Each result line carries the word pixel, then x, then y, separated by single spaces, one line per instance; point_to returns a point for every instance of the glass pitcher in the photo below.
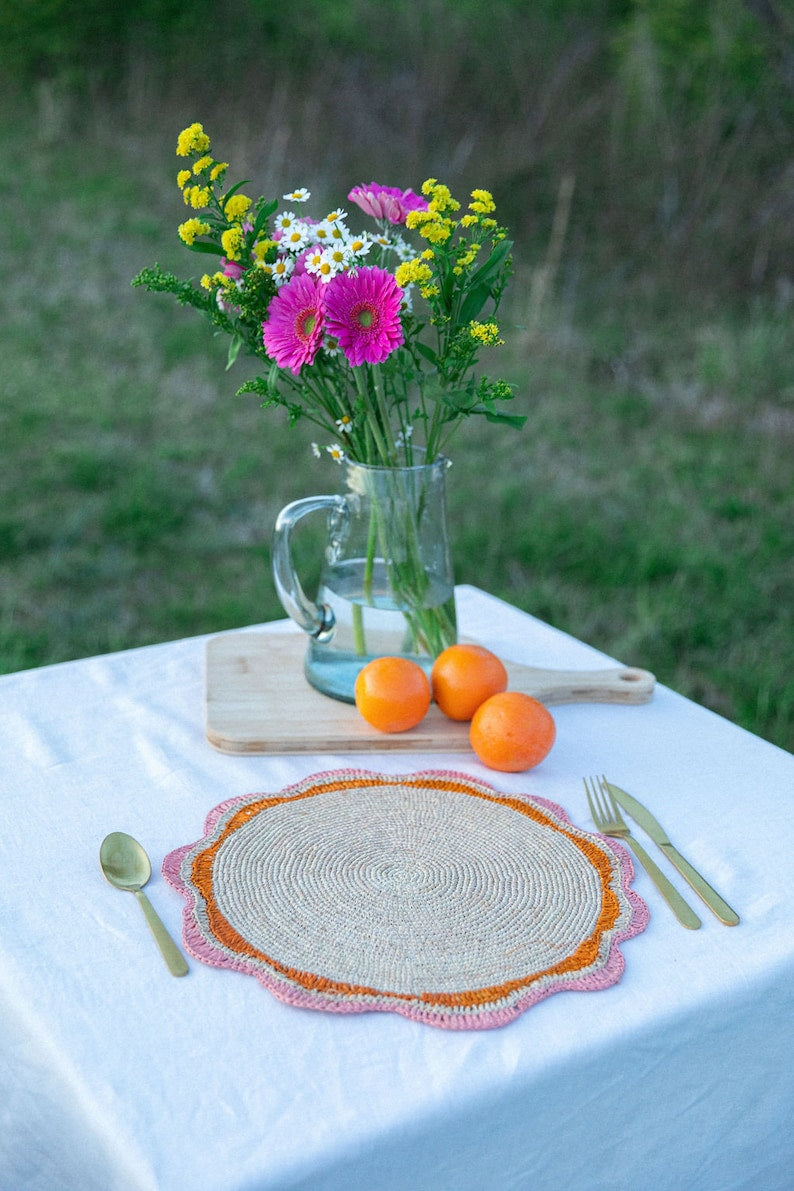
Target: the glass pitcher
pixel 386 585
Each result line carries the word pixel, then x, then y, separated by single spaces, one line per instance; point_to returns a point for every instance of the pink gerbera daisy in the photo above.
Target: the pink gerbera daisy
pixel 386 202
pixel 293 331
pixel 362 311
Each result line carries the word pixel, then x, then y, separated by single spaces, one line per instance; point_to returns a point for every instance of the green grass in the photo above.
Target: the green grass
pixel 647 507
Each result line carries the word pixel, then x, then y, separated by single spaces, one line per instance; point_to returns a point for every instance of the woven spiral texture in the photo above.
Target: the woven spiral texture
pixel 428 894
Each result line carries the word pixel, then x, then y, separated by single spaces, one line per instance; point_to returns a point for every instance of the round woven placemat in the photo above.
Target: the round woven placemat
pixel 428 894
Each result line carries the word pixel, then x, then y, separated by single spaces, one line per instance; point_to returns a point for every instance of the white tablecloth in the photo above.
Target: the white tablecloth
pixel 115 1076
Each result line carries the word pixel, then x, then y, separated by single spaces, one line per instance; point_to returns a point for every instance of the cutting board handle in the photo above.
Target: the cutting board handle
pixel 619 684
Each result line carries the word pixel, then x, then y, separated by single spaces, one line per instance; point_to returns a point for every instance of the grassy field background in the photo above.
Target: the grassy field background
pixel 648 505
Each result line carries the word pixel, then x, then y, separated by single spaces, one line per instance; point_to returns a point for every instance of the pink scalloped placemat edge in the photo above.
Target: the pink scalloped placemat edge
pixel 211 952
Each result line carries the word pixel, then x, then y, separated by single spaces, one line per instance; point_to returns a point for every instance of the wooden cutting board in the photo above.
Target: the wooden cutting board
pixel 258 701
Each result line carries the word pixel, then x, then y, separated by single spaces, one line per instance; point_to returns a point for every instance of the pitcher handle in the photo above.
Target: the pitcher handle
pixel 315 619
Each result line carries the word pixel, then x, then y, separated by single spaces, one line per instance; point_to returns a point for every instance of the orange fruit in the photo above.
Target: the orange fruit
pixel 463 677
pixel 512 731
pixel 392 694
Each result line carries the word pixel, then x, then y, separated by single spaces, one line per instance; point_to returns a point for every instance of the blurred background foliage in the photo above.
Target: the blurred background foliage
pixel 642 153
pixel 674 116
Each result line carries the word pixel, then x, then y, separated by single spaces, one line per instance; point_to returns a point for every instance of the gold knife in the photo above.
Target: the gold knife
pixel 660 837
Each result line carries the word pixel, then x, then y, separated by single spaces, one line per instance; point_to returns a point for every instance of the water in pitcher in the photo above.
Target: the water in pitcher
pixel 370 624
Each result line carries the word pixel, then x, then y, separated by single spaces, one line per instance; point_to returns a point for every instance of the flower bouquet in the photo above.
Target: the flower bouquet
pixel 371 339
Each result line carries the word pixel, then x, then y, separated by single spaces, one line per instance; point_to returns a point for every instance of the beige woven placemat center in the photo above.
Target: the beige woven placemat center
pixel 431 894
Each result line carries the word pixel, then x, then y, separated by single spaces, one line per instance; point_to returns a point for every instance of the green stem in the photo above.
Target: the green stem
pixel 369 562
pixel 359 637
pixel 359 374
pixel 383 413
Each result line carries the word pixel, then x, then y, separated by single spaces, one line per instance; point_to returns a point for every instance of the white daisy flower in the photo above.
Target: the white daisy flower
pixel 314 264
pixel 338 255
pixel 337 216
pixel 295 238
pixel 359 245
pixel 329 230
pixel 284 221
pixel 280 270
pixel 323 266
pixel 403 250
pixel 316 451
pixel 344 424
pixel 312 257
pixel 297 196
pixel 336 452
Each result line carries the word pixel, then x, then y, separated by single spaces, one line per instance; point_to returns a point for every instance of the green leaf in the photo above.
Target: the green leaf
pixel 473 303
pixel 428 353
pixel 516 420
pixel 266 211
pixel 481 282
pixel 223 200
pixel 203 246
pixel 487 272
pixel 234 350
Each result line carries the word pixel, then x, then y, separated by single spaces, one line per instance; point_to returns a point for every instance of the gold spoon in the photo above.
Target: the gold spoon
pixel 126 865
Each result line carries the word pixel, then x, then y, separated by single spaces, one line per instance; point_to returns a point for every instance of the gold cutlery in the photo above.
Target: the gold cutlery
pixel 125 864
pixel 654 829
pixel 609 821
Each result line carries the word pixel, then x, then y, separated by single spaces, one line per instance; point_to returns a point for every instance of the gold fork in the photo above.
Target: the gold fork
pixel 609 821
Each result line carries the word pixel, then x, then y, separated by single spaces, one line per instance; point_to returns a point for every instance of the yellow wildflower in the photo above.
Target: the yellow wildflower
pixel 437 232
pixel 262 248
pixel 466 258
pixel 202 163
pixel 236 207
pixel 428 185
pixel 482 202
pixel 441 200
pixel 232 241
pixel 415 219
pixel 411 271
pixel 485 333
pixel 428 254
pixel 196 196
pixel 192 140
pixel 468 220
pixel 206 281
pixel 219 168
pixel 192 228
pixel 429 291
pixel 182 177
